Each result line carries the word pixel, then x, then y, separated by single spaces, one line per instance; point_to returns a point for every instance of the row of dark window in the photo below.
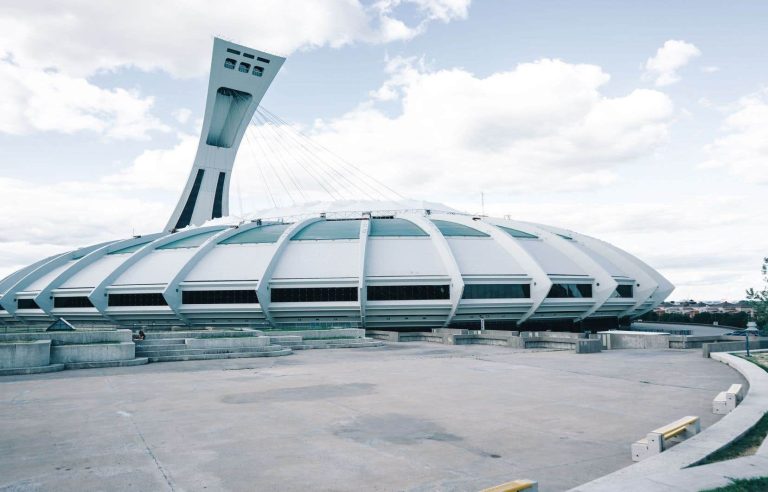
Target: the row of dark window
pixel 408 292
pixel 315 294
pixel 496 291
pixel 26 304
pixel 247 55
pixel 230 63
pixel 334 294
pixel 219 297
pixel 122 300
pixel 72 302
pixel 570 290
pixel 624 291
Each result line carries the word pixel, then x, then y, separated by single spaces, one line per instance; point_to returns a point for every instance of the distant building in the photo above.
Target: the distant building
pixel 692 308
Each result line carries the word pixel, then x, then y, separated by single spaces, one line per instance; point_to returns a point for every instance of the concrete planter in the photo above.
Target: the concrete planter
pixel 16 355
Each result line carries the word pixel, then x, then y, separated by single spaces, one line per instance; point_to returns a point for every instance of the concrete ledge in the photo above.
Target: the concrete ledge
pixel 318 334
pixel 647 474
pixel 708 348
pixel 31 370
pixel 233 342
pixel 162 335
pixel 480 339
pixel 92 352
pixel 331 344
pixel 72 337
pixel 107 363
pixel 19 355
pixel 634 340
pixel 237 355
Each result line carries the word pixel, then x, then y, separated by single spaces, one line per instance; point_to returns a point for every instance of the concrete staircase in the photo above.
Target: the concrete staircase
pixel 204 345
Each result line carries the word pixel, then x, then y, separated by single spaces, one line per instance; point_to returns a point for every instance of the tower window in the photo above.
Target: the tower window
pixel 234 52
pixel 262 60
pixel 248 55
pixel 258 71
pixel 230 63
pixel 245 67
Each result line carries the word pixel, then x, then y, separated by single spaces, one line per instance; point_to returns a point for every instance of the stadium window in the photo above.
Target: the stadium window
pixel 496 291
pixel 144 299
pixel 219 297
pixel 561 291
pixel 230 63
pixel 408 292
pixel 315 294
pixel 27 304
pixel 624 291
pixel 72 302
pixel 258 71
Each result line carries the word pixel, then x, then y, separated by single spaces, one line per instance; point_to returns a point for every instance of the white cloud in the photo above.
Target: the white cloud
pixel 743 150
pixel 182 115
pixel 543 125
pixel 158 169
pixel 710 69
pixel 35 100
pixel 170 35
pixel 671 57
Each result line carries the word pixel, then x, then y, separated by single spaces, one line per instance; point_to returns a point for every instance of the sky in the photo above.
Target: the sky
pixel 644 124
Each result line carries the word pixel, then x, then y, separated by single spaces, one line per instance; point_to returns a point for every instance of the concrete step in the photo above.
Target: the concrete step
pixel 207 351
pixel 159 341
pixel 164 346
pixel 168 335
pixel 238 355
pixel 106 363
pixel 327 344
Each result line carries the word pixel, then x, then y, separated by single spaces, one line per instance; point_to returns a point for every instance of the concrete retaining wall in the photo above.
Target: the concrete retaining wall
pixel 389 336
pixel 72 337
pixel 236 342
pixel 589 346
pixel 634 340
pixel 479 339
pixel 93 352
pixel 25 354
pixel 320 334
pixel 708 348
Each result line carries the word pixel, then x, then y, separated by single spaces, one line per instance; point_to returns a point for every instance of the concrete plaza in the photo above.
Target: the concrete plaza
pixel 412 416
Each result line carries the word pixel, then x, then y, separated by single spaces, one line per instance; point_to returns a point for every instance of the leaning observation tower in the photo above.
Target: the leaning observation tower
pixel 384 262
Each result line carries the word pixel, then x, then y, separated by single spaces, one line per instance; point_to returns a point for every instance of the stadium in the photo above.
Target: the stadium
pixel 377 264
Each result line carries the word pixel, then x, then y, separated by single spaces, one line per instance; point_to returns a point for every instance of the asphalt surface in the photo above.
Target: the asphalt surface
pixel 409 416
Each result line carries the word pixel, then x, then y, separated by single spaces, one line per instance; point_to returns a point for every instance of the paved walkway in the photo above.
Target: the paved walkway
pixel 408 416
pixel 668 471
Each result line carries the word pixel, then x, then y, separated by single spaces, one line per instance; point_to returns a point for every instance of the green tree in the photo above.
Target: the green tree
pixel 759 298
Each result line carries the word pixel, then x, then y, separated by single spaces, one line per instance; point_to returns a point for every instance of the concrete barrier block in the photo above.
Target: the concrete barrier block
pixel 92 352
pixel 17 355
pixel 588 346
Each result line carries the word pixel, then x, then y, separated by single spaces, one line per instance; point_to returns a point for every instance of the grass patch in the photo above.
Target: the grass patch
pixel 744 446
pixel 743 485
pixel 760 359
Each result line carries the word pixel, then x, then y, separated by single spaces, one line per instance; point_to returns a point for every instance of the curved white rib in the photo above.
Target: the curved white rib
pixel 263 289
pixel 446 255
pixel 44 298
